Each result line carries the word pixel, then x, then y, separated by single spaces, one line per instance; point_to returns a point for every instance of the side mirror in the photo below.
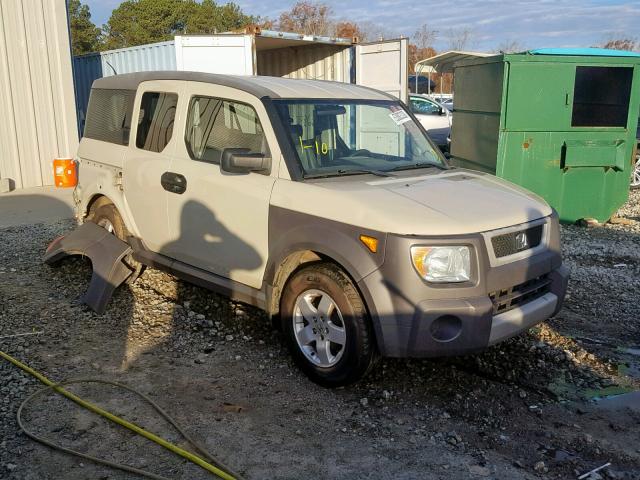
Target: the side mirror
pixel 240 160
pixel 440 111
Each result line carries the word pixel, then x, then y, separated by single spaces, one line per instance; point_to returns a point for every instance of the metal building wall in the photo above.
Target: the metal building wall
pixel 37 107
pixel 142 58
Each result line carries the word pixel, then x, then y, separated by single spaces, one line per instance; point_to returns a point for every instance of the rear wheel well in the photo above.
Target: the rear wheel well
pixel 96 202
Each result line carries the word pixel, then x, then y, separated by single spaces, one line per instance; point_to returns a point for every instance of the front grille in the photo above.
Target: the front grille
pixel 514 242
pixel 516 296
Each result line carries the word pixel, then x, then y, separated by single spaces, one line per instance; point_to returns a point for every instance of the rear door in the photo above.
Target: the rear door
pixel 384 66
pixel 151 149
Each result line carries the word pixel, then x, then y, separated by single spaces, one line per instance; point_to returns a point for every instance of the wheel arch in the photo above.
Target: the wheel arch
pixel 98 199
pixel 280 270
pixel 95 201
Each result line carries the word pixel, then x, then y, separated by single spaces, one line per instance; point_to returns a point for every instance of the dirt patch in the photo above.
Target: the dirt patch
pixel 523 409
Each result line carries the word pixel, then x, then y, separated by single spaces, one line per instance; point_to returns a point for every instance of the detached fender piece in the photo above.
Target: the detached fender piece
pixel 106 253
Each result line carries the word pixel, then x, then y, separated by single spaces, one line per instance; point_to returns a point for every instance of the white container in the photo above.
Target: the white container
pixel 380 65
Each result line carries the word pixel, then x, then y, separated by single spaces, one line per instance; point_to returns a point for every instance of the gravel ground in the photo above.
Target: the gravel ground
pixel 541 405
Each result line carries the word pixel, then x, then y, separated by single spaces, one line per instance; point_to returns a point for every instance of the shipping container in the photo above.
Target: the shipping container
pixel 36 91
pixel 142 58
pixel 381 65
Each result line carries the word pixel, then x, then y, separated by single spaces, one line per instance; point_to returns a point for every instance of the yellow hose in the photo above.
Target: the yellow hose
pixel 131 426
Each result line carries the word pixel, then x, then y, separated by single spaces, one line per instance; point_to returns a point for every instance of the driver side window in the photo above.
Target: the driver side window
pixel 214 124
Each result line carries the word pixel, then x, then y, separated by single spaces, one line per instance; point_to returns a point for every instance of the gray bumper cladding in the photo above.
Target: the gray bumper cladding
pixel 106 253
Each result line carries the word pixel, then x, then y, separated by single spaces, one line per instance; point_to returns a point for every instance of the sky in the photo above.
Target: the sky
pixel 492 23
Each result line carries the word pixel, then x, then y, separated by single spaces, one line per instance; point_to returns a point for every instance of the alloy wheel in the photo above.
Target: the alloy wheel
pixel 319 328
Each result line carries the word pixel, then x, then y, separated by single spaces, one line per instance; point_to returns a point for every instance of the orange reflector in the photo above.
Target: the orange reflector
pixel 65 173
pixel 370 242
pixel 418 254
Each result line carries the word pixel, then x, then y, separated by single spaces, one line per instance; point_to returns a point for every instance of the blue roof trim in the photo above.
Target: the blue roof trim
pixel 593 52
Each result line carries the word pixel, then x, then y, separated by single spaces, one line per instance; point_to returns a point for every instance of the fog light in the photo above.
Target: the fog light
pixel 446 328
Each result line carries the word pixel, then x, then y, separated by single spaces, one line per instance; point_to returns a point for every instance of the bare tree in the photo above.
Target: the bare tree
pixel 510 46
pixel 306 17
pixel 424 37
pixel 622 42
pixel 460 38
pixel 372 31
pixel 316 18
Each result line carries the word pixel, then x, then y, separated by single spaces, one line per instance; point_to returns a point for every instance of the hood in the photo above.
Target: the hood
pixel 482 202
pixel 452 202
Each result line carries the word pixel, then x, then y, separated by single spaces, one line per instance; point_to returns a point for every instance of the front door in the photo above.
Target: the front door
pixel 151 147
pixel 220 222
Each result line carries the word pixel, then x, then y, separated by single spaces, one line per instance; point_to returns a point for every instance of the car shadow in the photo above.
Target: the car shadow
pixel 218 253
pixel 23 207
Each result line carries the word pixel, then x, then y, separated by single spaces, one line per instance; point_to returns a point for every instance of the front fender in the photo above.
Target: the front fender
pixel 291 231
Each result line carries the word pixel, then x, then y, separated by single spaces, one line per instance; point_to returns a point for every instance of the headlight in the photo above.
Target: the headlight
pixel 442 264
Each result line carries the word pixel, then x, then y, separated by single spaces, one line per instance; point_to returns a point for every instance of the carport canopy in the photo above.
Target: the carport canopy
pixel 444 62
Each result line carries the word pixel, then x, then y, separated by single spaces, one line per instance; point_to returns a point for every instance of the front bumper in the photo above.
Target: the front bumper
pixel 413 319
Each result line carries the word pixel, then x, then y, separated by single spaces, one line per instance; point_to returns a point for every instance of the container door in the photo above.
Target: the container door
pixel 383 66
pixel 539 96
pixel 225 54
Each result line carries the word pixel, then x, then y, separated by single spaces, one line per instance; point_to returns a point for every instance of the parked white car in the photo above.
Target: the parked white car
pixel 434 117
pixel 446 100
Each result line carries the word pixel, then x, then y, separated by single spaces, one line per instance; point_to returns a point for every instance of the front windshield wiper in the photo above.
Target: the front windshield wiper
pixel 419 165
pixel 344 172
pixel 360 171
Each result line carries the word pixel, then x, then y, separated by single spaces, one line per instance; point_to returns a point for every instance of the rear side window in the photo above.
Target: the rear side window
pixel 214 124
pixel 109 115
pixel 601 96
pixel 155 120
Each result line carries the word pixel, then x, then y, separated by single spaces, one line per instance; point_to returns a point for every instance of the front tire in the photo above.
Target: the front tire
pixel 327 326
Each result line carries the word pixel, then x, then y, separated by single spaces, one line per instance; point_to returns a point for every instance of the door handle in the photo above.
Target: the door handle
pixel 173 182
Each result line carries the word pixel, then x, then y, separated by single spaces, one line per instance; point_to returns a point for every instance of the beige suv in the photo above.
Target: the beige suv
pixel 325 204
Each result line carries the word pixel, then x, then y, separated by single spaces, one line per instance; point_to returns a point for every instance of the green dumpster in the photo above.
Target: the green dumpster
pixel 560 122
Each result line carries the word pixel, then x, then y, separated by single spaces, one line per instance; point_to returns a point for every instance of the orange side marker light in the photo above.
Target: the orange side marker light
pixel 370 242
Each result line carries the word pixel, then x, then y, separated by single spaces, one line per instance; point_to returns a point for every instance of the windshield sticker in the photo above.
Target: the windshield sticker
pixel 399 116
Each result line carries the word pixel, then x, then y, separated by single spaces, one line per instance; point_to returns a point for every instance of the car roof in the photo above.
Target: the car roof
pixel 260 86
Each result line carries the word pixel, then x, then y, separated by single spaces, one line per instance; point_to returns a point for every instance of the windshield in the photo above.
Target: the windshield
pixel 346 137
